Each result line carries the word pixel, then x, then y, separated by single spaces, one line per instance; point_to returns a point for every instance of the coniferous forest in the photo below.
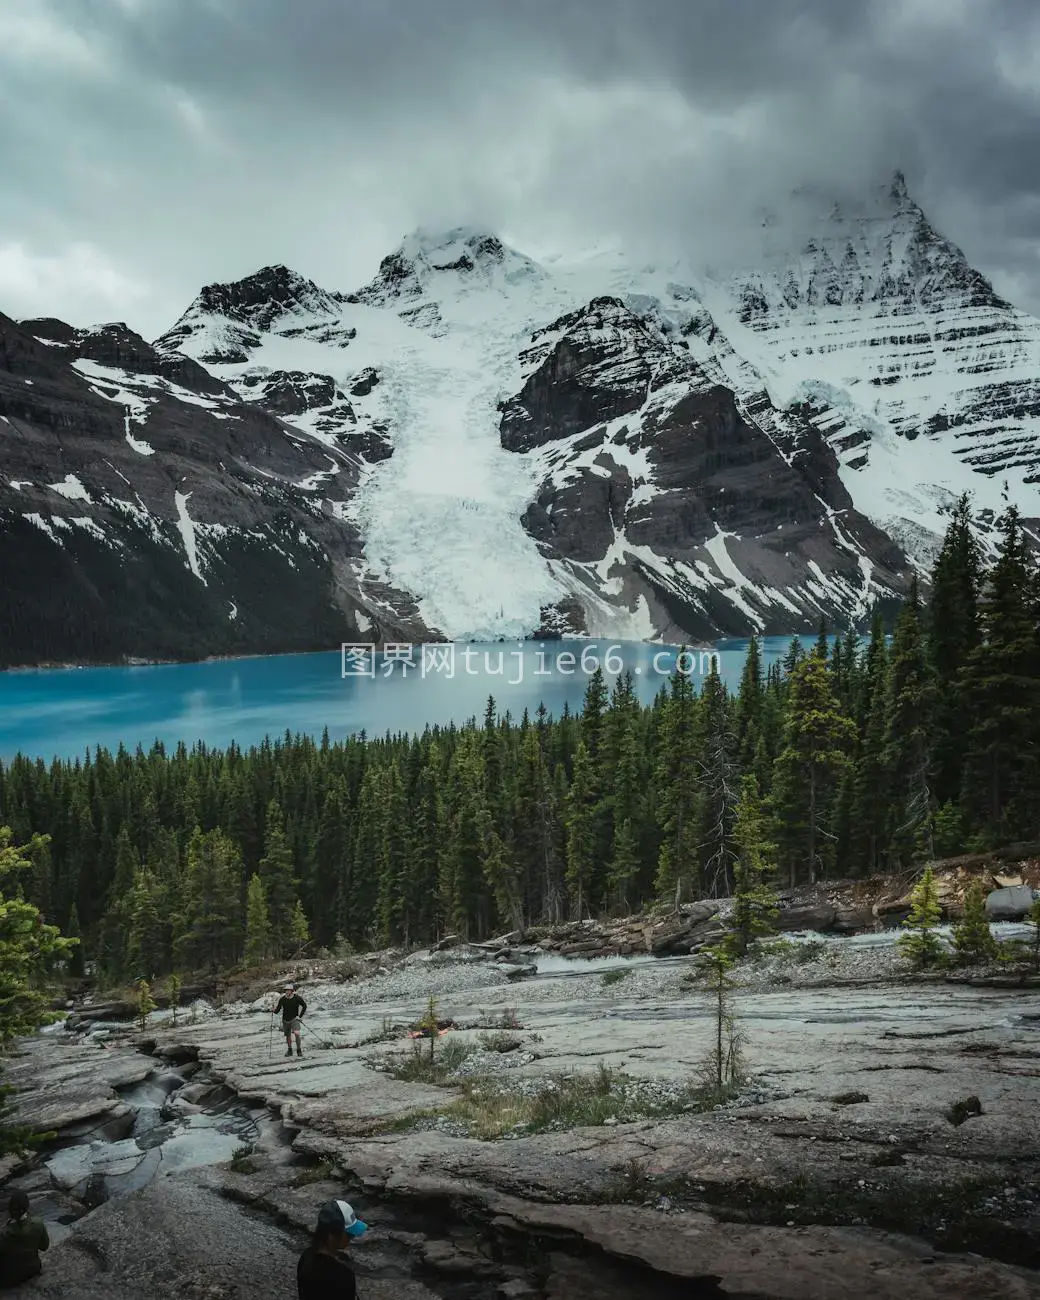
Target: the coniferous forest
pixel 850 757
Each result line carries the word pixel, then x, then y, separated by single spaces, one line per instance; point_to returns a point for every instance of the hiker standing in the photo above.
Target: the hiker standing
pixel 21 1241
pixel 324 1271
pixel 292 1007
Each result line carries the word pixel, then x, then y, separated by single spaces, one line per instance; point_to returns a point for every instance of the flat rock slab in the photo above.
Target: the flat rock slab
pixel 70 1086
pixel 177 1238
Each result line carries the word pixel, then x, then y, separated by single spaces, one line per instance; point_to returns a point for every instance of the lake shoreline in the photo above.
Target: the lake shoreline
pixel 132 661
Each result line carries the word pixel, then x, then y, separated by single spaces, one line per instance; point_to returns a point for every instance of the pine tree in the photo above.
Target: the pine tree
pixel 332 858
pixel 390 864
pixel 258 925
pixel 817 738
pixel 1002 772
pixel 145 1004
pixel 147 932
pixel 870 793
pixel 755 904
pixel 921 944
pixel 908 740
pixel 211 930
pixel 29 949
pixel 723 1070
pixel 954 635
pixel 718 784
pixel 749 706
pixel 973 940
pixel 676 793
pixel 72 930
pixel 299 931
pixel 281 885
pixel 581 833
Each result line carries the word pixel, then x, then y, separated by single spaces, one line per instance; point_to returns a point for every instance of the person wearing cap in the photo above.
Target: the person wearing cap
pixel 292 1007
pixel 324 1271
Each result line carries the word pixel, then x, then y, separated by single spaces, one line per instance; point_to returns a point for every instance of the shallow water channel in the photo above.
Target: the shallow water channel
pixel 176 1123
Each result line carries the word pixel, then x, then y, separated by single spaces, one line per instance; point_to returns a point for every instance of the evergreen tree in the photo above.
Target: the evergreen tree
pixel 954 635
pixel 718 784
pixel 869 811
pixel 279 878
pixel 145 1004
pixel 921 944
pixel 299 931
pixel 258 925
pixel 75 937
pixel 817 738
pixel 973 940
pixel 1002 772
pixel 676 792
pixel 29 950
pixel 908 740
pixel 749 706
pixel 755 904
pixel 581 833
pixel 147 941
pixel 211 932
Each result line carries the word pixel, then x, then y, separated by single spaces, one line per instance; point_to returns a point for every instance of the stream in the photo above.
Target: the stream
pixel 176 1123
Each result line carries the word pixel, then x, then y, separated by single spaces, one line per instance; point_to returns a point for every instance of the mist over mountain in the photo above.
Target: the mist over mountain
pixel 479 443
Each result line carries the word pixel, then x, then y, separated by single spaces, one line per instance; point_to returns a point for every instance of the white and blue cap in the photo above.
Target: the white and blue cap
pixel 340 1215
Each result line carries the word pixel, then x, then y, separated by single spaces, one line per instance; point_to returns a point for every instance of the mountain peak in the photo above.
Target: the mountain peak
pixel 472 256
pixel 261 298
pixel 224 322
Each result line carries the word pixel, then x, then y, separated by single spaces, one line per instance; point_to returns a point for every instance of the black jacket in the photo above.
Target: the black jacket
pixel 291 1006
pixel 20 1246
pixel 325 1277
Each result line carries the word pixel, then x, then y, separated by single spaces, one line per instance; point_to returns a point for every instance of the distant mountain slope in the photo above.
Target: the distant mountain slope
pixel 475 444
pixel 146 511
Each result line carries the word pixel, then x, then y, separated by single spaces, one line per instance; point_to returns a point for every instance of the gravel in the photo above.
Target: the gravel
pixel 801 965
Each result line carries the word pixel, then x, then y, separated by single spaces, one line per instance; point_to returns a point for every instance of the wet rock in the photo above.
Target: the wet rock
pixel 819 917
pixel 849 1098
pixel 1009 904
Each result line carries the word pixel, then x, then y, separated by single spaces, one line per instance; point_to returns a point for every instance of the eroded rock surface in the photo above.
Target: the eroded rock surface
pixel 794 1190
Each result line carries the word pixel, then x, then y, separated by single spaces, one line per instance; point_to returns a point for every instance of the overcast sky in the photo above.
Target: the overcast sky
pixel 148 147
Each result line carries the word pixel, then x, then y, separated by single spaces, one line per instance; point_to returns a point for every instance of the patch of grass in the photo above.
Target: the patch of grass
pixel 420 1067
pixel 499 1041
pixel 507 1018
pixel 610 977
pixel 489 1110
pixel 322 1172
pixel 242 1161
pixel 388 1032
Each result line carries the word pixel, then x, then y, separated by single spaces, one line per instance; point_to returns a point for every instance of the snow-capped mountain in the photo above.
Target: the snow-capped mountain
pixel 476 444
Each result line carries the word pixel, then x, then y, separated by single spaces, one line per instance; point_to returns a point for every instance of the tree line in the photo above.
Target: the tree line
pixel 853 755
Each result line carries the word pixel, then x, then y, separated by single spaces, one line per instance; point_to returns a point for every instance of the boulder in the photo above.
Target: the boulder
pixel 449 941
pixel 1009 904
pixel 819 916
pixel 699 911
pixel 703 935
pixel 851 920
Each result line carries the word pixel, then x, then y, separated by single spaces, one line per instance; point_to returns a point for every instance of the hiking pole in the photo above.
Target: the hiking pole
pixel 314 1034
pixel 270 1038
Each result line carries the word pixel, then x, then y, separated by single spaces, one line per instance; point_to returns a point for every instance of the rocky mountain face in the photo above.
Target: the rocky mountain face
pixel 475 444
pixel 147 511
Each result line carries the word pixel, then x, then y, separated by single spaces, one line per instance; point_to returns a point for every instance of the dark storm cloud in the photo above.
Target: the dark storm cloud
pixel 151 145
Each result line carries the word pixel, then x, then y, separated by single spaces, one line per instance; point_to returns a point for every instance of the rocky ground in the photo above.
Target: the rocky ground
pixel 560 1147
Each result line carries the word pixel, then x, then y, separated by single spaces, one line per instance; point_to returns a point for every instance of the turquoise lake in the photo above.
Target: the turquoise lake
pixel 65 711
